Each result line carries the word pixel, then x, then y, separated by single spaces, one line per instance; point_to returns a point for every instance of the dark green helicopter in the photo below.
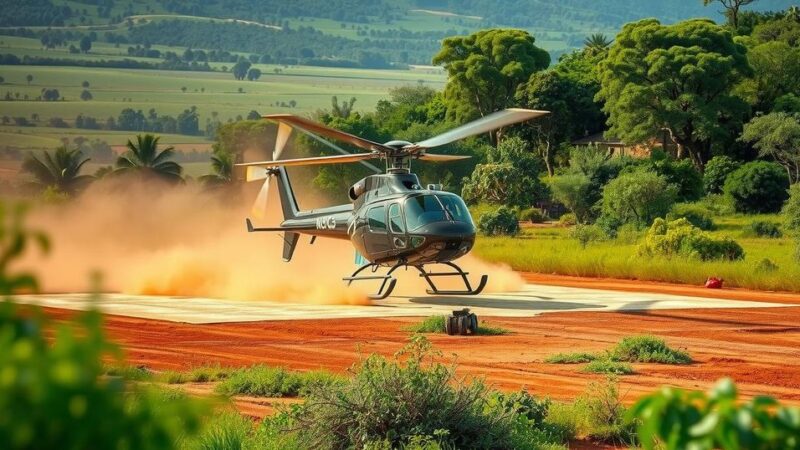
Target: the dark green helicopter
pixel 393 220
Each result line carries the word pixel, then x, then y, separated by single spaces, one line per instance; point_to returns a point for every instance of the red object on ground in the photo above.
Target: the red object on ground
pixel 714 283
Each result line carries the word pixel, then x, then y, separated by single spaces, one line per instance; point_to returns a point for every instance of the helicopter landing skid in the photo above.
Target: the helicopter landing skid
pixel 458 272
pixel 388 282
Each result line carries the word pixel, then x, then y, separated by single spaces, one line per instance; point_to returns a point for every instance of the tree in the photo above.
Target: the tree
pixel 85 84
pixel 675 78
pixel 732 9
pixel 2 80
pixel 343 109
pixel 86 95
pixel 29 78
pixel 596 43
pixel 777 136
pixel 144 158
pixel 59 170
pixel 717 171
pixel 50 95
pixel 86 44
pixel 776 69
pixel 253 74
pixel 485 69
pixel 188 122
pixel 222 166
pixel 757 187
pixel 253 115
pixel 638 197
pixel 240 69
pixel 573 191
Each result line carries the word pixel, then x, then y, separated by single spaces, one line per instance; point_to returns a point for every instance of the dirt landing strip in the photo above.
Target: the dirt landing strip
pixel 758 346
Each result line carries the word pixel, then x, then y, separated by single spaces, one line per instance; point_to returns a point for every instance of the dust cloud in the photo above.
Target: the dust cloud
pixel 186 241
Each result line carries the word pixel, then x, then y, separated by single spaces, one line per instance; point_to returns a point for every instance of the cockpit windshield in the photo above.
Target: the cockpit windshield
pixel 424 209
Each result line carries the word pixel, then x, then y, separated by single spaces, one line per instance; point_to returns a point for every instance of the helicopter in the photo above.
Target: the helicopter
pixel 392 220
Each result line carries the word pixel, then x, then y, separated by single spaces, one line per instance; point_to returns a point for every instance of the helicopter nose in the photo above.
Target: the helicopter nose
pixel 455 230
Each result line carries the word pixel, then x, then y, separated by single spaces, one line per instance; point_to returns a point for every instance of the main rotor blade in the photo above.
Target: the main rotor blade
pixel 442 158
pixel 485 124
pixel 336 148
pixel 317 160
pixel 323 130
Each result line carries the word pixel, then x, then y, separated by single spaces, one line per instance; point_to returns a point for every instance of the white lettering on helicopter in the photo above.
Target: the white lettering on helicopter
pixel 326 223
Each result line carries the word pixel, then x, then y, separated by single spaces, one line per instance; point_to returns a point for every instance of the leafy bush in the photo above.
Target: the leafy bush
pixel 226 431
pixel 609 367
pixel 717 205
pixel 585 234
pixel 676 419
pixel 568 220
pixel 202 374
pixel 717 170
pixel 696 214
pixel 573 191
pixel 763 228
pixel 766 265
pixel 791 210
pixel 648 349
pixel 628 234
pixel 638 197
pixel 502 221
pixel 681 174
pixel 757 187
pixel 533 215
pixel 432 324
pixel 681 238
pixel 435 402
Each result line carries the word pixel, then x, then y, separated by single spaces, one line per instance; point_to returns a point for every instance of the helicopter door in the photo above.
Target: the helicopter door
pixel 377 238
pixel 397 228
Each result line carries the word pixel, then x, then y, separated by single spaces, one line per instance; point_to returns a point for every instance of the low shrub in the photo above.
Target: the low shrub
pixel 436 324
pixel 673 418
pixel 201 374
pixel 681 238
pixel 628 234
pixel 648 349
pixel 766 265
pixel 611 225
pixel 575 192
pixel 716 172
pixel 568 220
pixel 128 372
pixel 791 211
pixel 609 367
pixel 533 215
pixel 500 222
pixel 695 213
pixel 585 234
pixel 434 403
pixel 717 205
pixel 757 187
pixel 763 228
pixel 570 358
pixel 226 431
pixel 638 197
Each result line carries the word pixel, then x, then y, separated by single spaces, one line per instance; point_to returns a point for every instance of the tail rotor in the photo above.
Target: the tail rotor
pixel 259 209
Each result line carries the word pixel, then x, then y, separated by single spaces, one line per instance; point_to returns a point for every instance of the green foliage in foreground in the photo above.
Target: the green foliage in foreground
pixel 681 238
pixel 677 419
pixel 435 405
pixel 436 324
pixel 265 381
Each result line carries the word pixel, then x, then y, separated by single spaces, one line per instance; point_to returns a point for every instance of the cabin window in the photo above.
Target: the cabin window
pixel 376 217
pixel 456 208
pixel 396 219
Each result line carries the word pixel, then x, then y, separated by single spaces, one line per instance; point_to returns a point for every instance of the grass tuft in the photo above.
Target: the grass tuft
pixel 229 430
pixel 134 373
pixel 608 367
pixel 648 349
pixel 265 381
pixel 201 374
pixel 571 358
pixel 435 324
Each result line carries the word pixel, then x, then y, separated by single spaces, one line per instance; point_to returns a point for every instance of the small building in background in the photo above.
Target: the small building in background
pixel 618 148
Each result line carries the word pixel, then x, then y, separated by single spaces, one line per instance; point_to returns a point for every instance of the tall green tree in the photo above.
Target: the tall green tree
pixel 485 69
pixel 677 78
pixel 732 8
pixel 59 170
pixel 776 72
pixel 144 158
pixel 222 169
pixel 777 136
pixel 596 43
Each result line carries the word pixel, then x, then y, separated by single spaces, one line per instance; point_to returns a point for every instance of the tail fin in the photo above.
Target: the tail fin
pixel 288 201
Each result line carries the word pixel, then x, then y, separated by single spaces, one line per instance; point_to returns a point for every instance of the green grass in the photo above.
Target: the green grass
pixel 201 374
pixel 571 358
pixel 129 372
pixel 265 381
pixel 551 251
pixel 435 324
pixel 648 349
pixel 609 367
pixel 226 431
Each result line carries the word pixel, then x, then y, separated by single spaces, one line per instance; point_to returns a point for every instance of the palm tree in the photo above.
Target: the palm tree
pixel 143 157
pixel 222 166
pixel 59 170
pixel 596 43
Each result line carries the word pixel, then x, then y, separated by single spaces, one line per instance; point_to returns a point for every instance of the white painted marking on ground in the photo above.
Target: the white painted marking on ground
pixel 531 301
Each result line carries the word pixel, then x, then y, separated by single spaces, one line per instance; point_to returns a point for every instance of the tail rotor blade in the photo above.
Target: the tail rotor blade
pixel 259 209
pixel 284 131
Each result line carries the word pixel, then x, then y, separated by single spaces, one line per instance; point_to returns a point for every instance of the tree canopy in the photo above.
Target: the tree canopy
pixel 677 78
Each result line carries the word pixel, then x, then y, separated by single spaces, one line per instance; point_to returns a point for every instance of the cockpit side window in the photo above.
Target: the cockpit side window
pixel 456 208
pixel 396 224
pixel 376 218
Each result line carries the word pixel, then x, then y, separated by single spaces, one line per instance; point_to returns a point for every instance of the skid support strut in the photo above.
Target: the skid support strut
pixel 457 272
pixel 387 281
